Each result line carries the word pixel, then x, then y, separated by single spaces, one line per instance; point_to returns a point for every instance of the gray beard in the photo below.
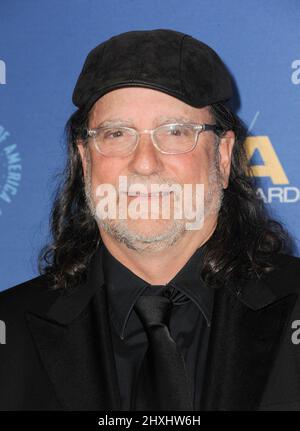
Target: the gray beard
pixel 121 231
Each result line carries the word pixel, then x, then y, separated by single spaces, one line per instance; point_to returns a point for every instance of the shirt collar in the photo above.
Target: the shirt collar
pixel 124 287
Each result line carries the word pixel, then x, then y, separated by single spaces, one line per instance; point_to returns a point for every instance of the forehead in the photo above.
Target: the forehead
pixel 134 104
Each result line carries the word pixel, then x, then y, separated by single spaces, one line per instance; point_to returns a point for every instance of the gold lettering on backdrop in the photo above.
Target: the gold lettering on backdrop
pixel 272 167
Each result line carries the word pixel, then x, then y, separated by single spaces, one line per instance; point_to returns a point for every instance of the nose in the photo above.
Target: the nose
pixel 146 159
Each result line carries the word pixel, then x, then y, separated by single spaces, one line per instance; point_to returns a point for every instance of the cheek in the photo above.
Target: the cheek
pixel 192 168
pixel 106 170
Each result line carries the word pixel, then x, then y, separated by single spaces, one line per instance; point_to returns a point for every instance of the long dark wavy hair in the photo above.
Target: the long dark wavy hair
pixel 243 245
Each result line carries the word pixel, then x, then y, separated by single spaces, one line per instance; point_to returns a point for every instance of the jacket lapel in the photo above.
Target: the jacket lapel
pixel 245 335
pixel 74 344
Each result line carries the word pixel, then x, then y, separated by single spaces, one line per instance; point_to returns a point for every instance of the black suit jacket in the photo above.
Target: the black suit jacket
pixel 59 356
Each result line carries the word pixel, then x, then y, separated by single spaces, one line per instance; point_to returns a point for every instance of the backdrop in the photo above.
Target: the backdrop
pixel 42 48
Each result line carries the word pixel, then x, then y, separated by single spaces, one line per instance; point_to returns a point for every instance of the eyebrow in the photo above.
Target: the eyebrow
pixel 160 120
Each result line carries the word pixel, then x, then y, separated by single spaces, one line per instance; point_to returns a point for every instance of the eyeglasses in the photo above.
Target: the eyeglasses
pixel 119 141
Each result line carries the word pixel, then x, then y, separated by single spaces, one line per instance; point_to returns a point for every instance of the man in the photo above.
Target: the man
pixel 135 310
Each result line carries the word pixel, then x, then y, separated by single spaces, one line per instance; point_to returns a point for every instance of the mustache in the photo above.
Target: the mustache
pixel 134 182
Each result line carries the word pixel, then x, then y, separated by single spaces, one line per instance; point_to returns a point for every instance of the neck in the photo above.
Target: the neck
pixel 159 267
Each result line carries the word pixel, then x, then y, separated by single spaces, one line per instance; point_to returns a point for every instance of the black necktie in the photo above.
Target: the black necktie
pixel 162 382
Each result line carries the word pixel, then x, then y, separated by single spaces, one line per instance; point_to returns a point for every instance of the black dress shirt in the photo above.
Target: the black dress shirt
pixel 189 322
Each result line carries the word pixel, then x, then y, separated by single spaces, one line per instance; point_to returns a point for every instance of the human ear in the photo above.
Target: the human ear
pixel 225 154
pixel 82 151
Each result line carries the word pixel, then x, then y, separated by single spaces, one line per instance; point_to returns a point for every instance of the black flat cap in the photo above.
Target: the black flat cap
pixel 164 60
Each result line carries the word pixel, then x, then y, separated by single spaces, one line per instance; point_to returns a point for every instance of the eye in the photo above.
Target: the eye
pixel 113 133
pixel 179 131
pixel 175 130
